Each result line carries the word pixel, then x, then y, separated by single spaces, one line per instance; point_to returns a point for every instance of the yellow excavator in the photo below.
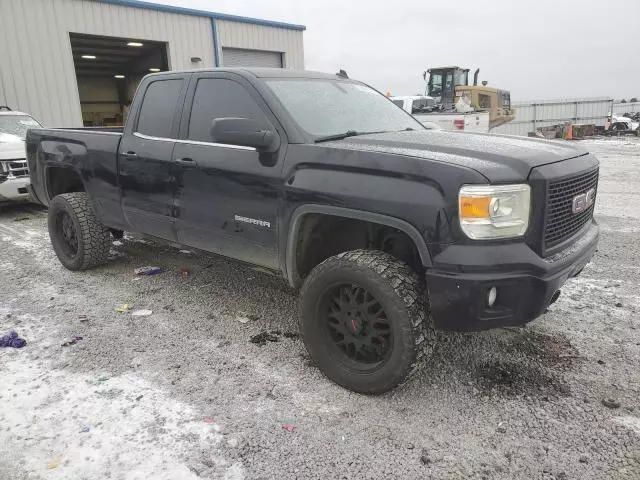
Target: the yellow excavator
pixel 449 87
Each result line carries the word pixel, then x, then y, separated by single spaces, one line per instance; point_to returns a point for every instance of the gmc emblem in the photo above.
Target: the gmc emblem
pixel 583 201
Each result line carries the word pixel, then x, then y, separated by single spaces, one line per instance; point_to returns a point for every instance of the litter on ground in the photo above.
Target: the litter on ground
pixel 124 308
pixel 149 270
pixel 12 340
pixel 141 313
pixel 55 463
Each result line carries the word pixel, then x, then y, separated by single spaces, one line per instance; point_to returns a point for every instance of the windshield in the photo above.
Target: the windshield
pixel 17 125
pixel 324 107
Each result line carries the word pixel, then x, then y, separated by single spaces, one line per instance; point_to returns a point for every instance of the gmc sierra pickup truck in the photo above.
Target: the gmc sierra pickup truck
pixel 389 229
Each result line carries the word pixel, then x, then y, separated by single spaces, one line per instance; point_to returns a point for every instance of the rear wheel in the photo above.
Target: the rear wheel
pixel 364 320
pixel 78 238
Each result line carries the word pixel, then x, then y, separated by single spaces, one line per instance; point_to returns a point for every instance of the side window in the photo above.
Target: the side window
pixel 158 109
pixel 220 98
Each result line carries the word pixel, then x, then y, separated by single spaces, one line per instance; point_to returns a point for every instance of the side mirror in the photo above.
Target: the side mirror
pixel 245 132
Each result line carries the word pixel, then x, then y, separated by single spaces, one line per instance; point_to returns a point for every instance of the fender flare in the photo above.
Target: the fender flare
pixel 299 213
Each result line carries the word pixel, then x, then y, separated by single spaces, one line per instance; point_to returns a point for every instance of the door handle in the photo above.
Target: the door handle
pixel 129 155
pixel 187 162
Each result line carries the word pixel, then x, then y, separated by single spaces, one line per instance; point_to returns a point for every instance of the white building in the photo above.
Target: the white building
pixel 69 62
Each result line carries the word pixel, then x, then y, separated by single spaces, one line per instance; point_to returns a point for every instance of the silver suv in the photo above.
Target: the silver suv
pixel 14 173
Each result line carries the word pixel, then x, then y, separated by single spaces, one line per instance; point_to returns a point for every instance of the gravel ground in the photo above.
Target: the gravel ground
pixel 184 394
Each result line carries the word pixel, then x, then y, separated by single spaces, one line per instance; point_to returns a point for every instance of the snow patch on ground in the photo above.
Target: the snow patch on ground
pixel 71 425
pixel 628 421
pixel 94 426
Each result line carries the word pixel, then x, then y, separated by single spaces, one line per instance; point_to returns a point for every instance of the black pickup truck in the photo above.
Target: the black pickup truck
pixel 388 229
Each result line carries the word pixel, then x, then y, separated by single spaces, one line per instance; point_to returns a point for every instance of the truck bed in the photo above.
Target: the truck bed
pixel 90 152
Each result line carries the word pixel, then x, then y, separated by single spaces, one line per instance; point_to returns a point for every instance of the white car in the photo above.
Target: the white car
pixel 14 172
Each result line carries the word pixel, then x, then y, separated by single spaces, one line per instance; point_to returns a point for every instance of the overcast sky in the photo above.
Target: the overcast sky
pixel 536 49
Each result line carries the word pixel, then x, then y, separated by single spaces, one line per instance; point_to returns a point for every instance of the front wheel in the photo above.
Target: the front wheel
pixel 364 320
pixel 78 238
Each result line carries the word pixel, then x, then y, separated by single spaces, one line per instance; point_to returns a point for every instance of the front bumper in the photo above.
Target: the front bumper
pixel 526 283
pixel 13 189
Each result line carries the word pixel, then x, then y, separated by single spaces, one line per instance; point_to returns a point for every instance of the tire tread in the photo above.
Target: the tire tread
pixel 407 286
pixel 95 237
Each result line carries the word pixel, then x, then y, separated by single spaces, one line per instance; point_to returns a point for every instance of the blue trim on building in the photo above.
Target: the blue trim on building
pixel 203 13
pixel 216 53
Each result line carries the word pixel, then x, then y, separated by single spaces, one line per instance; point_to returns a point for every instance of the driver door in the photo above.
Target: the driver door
pixel 226 197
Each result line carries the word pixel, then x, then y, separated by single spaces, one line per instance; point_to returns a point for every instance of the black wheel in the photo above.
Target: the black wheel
pixel 78 238
pixel 364 320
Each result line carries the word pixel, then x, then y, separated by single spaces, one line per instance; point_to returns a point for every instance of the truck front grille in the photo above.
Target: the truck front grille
pixel 561 223
pixel 14 168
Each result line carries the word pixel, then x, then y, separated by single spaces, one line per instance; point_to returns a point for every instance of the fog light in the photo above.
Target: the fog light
pixel 492 294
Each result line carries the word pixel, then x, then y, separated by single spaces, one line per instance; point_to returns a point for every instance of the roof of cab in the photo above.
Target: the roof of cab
pixel 257 72
pixel 288 73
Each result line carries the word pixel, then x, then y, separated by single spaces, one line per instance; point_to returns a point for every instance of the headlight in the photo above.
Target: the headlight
pixel 494 211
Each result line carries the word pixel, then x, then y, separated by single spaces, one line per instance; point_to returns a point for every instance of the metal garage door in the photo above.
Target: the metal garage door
pixel 236 57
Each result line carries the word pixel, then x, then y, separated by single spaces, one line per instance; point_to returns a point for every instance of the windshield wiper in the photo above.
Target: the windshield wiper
pixel 337 136
pixel 342 136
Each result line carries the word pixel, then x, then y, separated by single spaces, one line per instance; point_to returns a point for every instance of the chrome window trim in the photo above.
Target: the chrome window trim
pixel 193 142
pixel 86 130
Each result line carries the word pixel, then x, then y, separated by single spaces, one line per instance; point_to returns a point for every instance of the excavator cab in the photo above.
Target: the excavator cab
pixel 442 84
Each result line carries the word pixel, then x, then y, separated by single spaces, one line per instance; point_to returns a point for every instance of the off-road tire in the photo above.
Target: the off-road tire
pixel 404 299
pixel 93 238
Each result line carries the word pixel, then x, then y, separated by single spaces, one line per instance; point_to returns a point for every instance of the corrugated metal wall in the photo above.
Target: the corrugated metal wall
pixel 259 37
pixel 239 57
pixel 37 69
pixel 36 64
pixel 544 113
pixel 620 108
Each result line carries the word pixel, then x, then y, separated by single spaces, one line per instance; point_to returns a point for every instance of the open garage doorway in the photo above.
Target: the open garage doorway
pixel 108 71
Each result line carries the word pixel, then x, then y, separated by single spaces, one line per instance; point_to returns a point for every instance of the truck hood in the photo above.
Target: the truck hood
pixel 500 158
pixel 12 149
pixel 9 138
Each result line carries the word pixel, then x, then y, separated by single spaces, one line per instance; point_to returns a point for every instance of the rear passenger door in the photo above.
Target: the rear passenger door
pixel 145 159
pixel 227 195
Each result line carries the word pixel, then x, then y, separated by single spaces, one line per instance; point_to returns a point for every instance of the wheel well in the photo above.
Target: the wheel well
pixel 321 236
pixel 63 180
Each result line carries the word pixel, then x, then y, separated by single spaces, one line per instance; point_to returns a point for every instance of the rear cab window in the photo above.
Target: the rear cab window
pixel 158 115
